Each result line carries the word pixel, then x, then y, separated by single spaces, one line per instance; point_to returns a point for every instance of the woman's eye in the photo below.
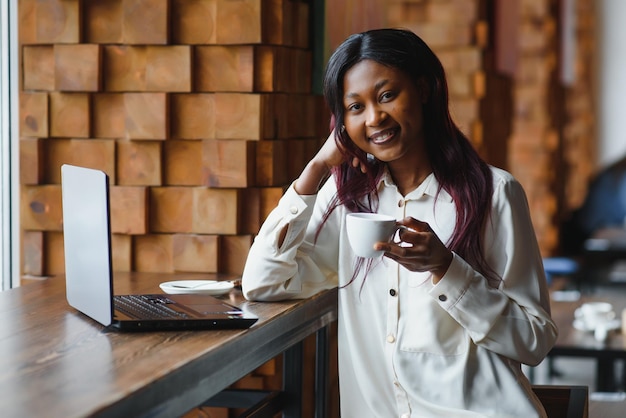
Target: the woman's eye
pixel 386 96
pixel 354 107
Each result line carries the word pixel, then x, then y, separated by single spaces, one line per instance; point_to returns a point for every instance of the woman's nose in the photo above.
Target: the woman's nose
pixel 375 116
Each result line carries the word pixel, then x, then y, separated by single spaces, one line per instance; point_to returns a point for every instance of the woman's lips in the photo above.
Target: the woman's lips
pixel 383 137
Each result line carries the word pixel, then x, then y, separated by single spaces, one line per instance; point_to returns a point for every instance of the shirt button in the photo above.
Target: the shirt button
pixel 400 203
pixel 405 416
pixel 391 338
pixel 392 292
pixel 443 298
pixel 293 209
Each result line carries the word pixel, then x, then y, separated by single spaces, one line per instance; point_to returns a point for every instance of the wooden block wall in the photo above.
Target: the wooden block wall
pixel 200 111
pixel 579 130
pixel 456 34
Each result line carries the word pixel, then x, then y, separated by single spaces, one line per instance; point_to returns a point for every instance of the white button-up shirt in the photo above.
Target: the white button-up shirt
pixel 407 347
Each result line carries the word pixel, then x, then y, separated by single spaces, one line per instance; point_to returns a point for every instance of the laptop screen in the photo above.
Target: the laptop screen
pixel 86 234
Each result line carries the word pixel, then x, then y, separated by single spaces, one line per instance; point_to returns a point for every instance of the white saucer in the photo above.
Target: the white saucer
pixel 206 287
pixel 610 325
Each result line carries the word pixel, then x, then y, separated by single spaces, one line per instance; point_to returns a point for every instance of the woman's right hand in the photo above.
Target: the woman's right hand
pixel 328 156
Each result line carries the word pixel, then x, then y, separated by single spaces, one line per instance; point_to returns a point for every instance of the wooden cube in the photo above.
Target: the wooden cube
pixel 108 115
pixel 216 211
pixel 271 163
pixel 224 68
pixel 129 210
pixel 153 253
pixel 34 114
pixel 145 22
pixel 69 115
pixel 238 22
pixel 54 253
pixel 168 68
pixel 195 253
pixel 172 209
pixel 58 21
pixel 146 115
pixel 41 208
pixel 194 21
pixel 183 163
pixel 192 116
pixel 139 163
pixel 121 252
pixel 102 21
pixel 38 67
pixel 243 116
pixel 93 153
pixel 124 68
pixel 77 67
pixel 32 253
pixel 31 160
pixel 27 16
pixel 233 252
pixel 228 163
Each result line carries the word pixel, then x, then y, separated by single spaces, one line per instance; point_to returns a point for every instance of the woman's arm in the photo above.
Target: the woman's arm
pixel 511 318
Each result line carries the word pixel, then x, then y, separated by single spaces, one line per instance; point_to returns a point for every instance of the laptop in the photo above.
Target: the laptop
pixel 89 274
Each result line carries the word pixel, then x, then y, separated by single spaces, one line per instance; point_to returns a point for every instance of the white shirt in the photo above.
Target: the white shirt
pixel 408 348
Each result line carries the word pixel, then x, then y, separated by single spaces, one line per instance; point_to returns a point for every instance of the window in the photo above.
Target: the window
pixel 9 178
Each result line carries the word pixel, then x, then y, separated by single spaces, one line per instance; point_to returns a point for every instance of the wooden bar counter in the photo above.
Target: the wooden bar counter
pixel 56 362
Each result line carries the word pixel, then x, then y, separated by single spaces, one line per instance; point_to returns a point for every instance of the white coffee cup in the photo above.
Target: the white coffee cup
pixel 596 314
pixel 366 229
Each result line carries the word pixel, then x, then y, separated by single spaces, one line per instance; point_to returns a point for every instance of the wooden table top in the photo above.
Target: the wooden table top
pixel 572 340
pixel 56 362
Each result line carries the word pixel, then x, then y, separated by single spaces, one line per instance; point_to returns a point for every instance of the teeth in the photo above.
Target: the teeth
pixel 382 137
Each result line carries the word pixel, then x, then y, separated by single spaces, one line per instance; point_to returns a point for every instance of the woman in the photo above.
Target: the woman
pixel 428 330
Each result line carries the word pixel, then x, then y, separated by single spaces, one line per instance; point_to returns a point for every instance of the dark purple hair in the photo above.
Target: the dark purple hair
pixel 455 163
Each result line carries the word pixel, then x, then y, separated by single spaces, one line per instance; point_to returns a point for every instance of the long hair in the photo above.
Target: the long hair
pixel 455 163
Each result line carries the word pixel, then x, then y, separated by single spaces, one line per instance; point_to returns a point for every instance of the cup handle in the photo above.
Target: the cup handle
pixel 600 333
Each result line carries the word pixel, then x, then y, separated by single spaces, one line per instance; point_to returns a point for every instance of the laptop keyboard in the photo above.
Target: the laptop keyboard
pixel 146 307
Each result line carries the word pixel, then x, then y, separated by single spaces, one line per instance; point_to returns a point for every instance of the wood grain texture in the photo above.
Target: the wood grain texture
pixel 98 154
pixel 228 163
pixel 146 115
pixel 108 117
pixel 70 115
pixel 102 21
pixel 153 253
pixel 38 67
pixel 216 211
pixel 196 253
pixel 65 363
pixel 192 116
pixel 182 163
pixel 194 21
pixel 58 21
pixel 172 209
pixel 129 210
pixel 34 114
pixel 41 208
pixel 31 160
pixel 139 163
pixel 77 67
pixel 145 22
pixel 224 68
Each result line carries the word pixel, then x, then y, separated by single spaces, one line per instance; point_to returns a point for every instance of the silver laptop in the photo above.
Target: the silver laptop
pixel 89 275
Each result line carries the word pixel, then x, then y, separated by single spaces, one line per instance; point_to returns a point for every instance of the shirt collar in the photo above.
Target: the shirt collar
pixel 429 187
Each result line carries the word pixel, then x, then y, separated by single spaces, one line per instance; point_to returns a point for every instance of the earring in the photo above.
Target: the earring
pixel 343 128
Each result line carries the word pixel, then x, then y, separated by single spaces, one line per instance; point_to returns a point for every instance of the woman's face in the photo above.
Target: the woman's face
pixel 383 112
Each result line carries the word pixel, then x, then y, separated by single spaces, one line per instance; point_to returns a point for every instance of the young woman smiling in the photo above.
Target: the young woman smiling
pixel 440 325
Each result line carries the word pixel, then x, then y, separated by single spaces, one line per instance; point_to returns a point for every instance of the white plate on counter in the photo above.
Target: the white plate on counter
pixel 206 287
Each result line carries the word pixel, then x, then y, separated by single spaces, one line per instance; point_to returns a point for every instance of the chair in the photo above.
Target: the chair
pixel 564 401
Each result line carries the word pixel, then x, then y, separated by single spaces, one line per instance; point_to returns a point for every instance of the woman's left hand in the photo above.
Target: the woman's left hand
pixel 419 249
